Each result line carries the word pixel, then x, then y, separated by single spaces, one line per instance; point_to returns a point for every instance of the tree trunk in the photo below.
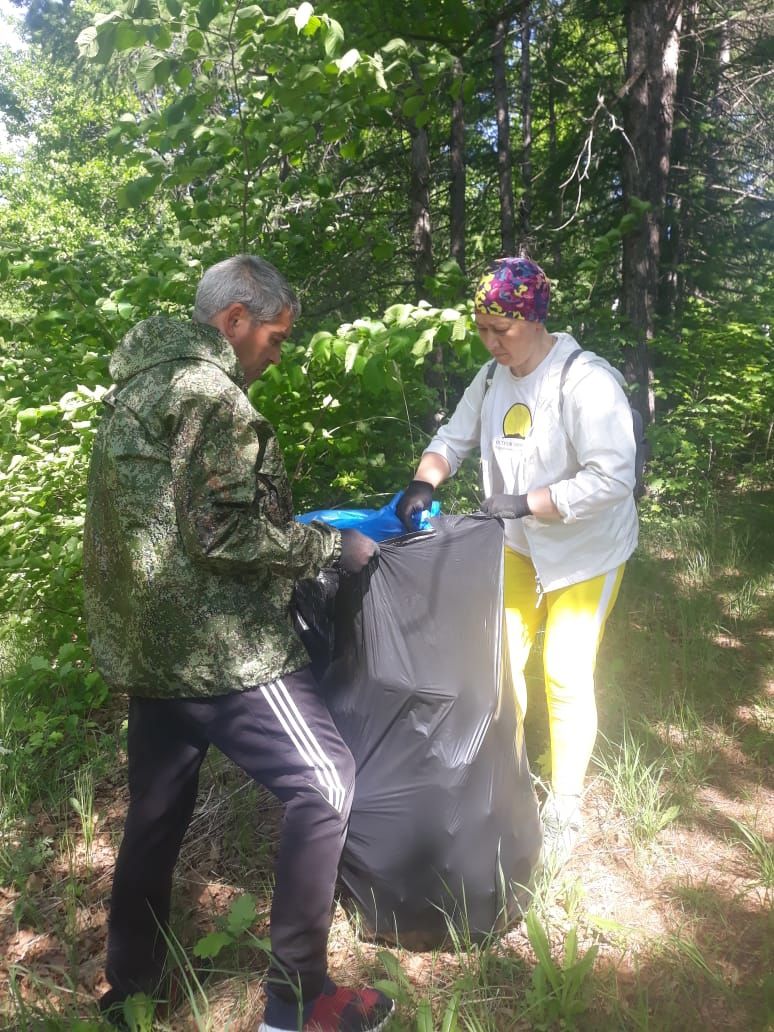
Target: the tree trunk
pixel 420 207
pixel 678 203
pixel 507 220
pixel 457 158
pixel 653 45
pixel 525 204
pixel 553 150
pixel 419 193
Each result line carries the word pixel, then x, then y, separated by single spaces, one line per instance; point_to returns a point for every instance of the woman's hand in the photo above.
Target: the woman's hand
pixel 507 506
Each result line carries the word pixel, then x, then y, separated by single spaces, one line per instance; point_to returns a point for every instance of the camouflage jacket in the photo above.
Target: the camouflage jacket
pixel 190 548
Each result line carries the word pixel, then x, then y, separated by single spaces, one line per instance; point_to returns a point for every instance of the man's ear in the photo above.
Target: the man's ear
pixel 229 319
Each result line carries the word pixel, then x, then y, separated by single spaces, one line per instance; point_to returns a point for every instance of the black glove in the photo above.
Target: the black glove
pixel 507 507
pixel 357 551
pixel 415 499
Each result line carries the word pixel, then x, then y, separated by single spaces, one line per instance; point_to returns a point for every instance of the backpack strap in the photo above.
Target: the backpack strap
pixel 565 370
pixel 642 446
pixel 490 375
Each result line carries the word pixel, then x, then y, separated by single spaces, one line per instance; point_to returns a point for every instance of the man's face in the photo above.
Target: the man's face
pixel 257 345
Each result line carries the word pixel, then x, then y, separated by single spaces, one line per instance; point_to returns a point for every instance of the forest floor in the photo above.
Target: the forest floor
pixel 670 886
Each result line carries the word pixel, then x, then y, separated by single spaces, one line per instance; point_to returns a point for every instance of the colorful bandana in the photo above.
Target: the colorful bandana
pixel 515 288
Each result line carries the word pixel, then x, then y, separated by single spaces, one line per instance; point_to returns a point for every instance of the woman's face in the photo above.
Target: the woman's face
pixel 513 342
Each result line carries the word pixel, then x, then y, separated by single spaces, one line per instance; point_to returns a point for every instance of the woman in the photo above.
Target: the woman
pixel 558 467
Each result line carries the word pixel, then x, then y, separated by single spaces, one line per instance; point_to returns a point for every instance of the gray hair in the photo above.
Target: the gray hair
pixel 246 280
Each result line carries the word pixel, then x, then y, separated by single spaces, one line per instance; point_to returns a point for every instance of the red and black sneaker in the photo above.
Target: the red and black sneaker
pixel 338 1009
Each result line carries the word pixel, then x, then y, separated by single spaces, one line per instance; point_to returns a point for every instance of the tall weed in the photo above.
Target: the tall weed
pixel 637 788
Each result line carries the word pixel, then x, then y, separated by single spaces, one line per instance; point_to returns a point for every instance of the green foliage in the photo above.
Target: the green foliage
pixel 241 916
pixel 345 403
pixel 638 789
pixel 138 1011
pixel 715 381
pixel 187 131
pixel 48 695
pixel 559 994
pixel 251 120
pixel 760 851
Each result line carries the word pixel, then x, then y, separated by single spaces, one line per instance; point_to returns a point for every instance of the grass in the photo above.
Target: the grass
pixel 661 921
pixel 761 853
pixel 637 788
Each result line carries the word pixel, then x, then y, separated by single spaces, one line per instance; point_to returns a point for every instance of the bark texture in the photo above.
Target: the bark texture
pixel 507 219
pixel 419 191
pixel 525 203
pixel 653 28
pixel 457 160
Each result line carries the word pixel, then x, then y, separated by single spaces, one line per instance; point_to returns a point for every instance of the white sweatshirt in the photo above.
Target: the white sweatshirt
pixel 583 452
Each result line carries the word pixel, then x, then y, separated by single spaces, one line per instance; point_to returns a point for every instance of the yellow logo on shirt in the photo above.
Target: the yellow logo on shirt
pixel 517 422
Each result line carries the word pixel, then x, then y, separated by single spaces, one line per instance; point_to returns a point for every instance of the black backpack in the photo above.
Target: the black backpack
pixel 642 445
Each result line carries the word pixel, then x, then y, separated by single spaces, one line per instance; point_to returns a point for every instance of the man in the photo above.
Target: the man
pixel 190 555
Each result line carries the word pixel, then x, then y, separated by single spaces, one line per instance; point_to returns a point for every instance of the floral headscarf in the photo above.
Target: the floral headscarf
pixel 515 288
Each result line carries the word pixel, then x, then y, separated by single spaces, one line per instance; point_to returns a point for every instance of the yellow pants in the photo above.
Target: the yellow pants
pixel 575 620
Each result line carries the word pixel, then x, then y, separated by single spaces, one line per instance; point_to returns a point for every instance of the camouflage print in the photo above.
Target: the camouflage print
pixel 190 548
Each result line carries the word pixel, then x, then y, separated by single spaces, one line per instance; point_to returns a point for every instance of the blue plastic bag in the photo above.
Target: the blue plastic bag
pixel 378 524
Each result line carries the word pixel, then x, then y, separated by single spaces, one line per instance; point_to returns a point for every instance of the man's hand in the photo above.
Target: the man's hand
pixel 507 507
pixel 415 499
pixel 357 551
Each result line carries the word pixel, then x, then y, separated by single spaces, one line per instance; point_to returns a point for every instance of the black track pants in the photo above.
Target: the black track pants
pixel 283 737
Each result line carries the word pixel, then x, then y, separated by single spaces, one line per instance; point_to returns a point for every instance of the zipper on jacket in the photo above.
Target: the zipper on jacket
pixel 539 589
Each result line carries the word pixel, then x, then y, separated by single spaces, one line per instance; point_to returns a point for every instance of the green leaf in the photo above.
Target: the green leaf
pixel 349 60
pixel 350 149
pixel 334 35
pixel 393 45
pixel 449 1023
pixel 183 76
pixel 242 914
pixel 460 328
pixel 540 944
pixel 303 14
pixel 176 112
pixel 126 37
pixel 413 105
pixel 194 40
pixel 424 1022
pixel 424 343
pixel 207 11
pixel 87 43
pixel 133 194
pixel 163 37
pixel 138 1012
pixel 387 986
pixel 309 71
pixel 313 25
pixel 383 252
pixel 351 355
pixel 162 72
pixel 391 965
pixel 212 944
pixel 146 69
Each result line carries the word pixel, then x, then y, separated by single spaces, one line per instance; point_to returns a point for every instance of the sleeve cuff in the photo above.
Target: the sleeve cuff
pixel 439 448
pixel 558 494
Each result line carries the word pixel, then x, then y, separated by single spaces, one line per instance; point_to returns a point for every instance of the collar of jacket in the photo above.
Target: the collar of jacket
pixel 158 340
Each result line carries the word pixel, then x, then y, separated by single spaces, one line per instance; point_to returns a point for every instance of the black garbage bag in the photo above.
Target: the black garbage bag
pixel 444 825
